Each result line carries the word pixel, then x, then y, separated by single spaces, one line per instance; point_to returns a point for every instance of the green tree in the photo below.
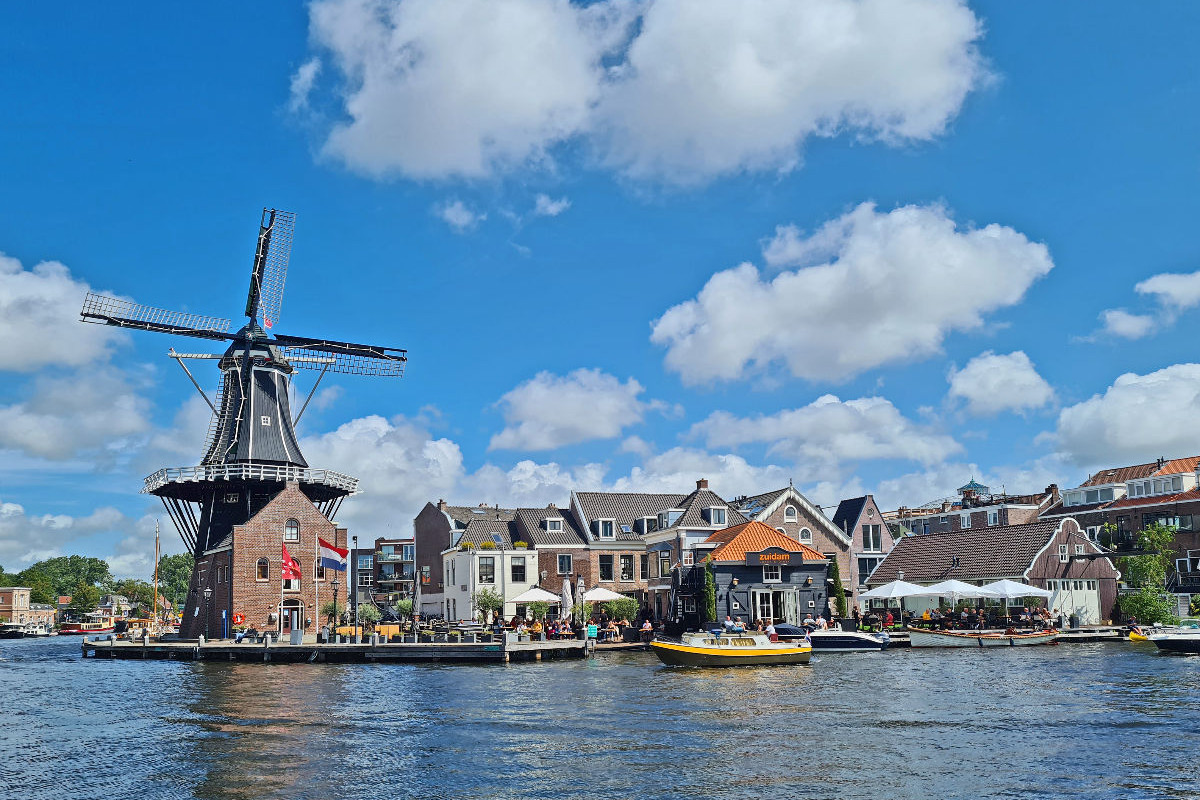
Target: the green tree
pixel 40 585
pixel 368 615
pixel 332 611
pixel 539 609
pixel 140 593
pixel 839 591
pixel 67 572
pixel 625 608
pixel 710 593
pixel 487 602
pixel 174 576
pixel 404 608
pixel 84 598
pixel 1147 575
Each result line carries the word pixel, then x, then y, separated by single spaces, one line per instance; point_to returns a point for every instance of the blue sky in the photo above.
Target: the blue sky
pixel 961 225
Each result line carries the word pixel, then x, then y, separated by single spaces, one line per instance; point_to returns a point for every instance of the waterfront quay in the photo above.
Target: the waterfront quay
pixel 338 653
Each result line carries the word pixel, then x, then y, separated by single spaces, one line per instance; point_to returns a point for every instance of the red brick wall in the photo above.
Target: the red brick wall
pixel 822 541
pixel 262 537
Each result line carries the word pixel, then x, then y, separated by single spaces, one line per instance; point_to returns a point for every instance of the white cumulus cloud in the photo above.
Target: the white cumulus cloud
pixel 1137 419
pixel 1174 291
pixel 829 431
pixel 1119 322
pixel 991 383
pixel 550 411
pixel 459 216
pixel 545 206
pixel 302 84
pixel 39 319
pixel 893 286
pixel 674 90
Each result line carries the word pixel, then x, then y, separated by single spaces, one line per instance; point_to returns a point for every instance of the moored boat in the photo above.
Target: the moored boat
pixel 728 650
pixel 835 640
pixel 12 630
pixel 85 628
pixel 1184 639
pixel 924 638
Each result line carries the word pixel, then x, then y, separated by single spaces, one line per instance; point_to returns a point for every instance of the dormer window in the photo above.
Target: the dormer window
pixel 716 515
pixel 606 528
pixel 668 518
pixel 790 514
pixel 554 524
pixel 647 524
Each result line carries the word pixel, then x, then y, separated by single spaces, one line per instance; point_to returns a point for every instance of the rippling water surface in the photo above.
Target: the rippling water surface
pixel 1103 720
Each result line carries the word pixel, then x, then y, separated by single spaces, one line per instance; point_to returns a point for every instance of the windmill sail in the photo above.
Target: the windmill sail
pixel 126 314
pixel 344 357
pixel 270 266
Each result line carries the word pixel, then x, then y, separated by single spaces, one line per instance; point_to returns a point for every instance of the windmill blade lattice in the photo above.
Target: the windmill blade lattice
pixel 126 314
pixel 275 238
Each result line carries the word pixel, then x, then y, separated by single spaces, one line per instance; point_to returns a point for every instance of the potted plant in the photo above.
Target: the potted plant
pixel 487 545
pixel 521 545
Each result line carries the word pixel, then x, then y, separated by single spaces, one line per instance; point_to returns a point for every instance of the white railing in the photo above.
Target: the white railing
pixel 248 470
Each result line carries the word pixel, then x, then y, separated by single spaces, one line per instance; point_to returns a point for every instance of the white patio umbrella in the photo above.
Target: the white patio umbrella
pixel 1011 590
pixel 955 589
pixel 893 591
pixel 535 595
pixel 567 603
pixel 601 595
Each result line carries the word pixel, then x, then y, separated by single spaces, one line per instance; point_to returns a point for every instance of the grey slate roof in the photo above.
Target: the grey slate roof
pixel 751 507
pixel 624 507
pixel 989 553
pixel 465 514
pixel 848 512
pixel 479 531
pixel 528 527
pixel 695 504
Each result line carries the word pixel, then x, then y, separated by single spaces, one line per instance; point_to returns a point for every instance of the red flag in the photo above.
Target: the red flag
pixel 290 567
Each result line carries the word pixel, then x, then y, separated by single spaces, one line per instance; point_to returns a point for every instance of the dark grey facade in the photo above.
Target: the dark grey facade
pixel 773 585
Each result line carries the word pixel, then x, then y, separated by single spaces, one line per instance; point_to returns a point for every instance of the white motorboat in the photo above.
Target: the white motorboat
pixel 1183 639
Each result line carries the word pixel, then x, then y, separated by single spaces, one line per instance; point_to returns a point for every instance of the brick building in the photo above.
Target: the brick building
pixel 976 507
pixel 243 572
pixel 870 539
pixel 436 528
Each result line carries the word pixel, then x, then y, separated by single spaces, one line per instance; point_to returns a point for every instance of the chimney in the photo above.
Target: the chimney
pixel 1160 462
pixel 441 504
pixel 702 484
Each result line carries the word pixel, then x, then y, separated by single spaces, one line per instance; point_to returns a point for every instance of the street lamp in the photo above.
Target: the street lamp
pixel 354 549
pixel 207 597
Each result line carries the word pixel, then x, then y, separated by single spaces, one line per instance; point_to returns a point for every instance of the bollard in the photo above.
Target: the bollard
pixel 200 640
pixel 374 639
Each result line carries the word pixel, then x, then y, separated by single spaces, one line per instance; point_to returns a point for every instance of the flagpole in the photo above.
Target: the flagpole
pixel 155 624
pixel 316 586
pixel 279 614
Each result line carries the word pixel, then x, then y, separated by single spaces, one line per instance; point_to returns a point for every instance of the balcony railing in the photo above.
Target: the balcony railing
pixel 248 470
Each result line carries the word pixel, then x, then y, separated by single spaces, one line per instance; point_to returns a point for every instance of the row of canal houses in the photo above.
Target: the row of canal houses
pixel 771 553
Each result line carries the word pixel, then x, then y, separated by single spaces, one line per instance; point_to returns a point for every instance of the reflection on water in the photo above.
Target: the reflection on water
pixel 1104 720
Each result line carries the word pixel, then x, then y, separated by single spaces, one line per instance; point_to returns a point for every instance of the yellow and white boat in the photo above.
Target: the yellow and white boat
pixel 729 650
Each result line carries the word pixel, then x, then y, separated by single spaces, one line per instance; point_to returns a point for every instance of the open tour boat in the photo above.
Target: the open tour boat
pixel 1009 638
pixel 728 650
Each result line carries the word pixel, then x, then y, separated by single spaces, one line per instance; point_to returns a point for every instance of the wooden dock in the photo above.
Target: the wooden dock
pixel 360 653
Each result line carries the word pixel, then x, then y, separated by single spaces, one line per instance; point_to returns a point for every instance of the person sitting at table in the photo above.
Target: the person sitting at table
pixel 888 619
pixel 536 627
pixel 624 623
pixel 926 616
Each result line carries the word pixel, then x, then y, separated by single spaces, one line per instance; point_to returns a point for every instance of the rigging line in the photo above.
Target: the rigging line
pixel 179 359
pixel 311 392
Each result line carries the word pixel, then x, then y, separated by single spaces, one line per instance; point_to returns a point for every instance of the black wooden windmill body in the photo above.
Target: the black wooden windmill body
pixel 251 450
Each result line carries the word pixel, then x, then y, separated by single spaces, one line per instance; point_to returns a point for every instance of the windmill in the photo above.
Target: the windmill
pixel 251 450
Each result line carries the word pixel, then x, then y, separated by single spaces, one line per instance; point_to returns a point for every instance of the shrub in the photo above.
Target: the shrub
pixel 625 608
pixel 521 545
pixel 487 545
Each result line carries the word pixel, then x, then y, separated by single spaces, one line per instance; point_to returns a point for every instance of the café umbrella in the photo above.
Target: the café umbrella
pixel 956 589
pixel 1013 590
pixel 599 594
pixel 565 611
pixel 893 591
pixel 535 595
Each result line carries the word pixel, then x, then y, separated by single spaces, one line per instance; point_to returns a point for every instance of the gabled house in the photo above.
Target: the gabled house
pixel 870 539
pixel 794 515
pixel 561 546
pixel 1051 554
pixel 759 573
pixel 1131 498
pixel 437 527
pixel 487 556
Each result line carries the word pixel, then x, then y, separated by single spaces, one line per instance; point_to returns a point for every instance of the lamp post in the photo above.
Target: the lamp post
pixel 207 597
pixel 335 611
pixel 354 589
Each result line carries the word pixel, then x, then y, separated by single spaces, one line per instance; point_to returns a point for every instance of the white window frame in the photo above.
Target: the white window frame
pixel 772 573
pixel 1063 556
pixel 805 535
pixel 689 558
pixel 964 521
pixel 554 524
pixel 1078 549
pixel 717 511
pixel 570 563
pixel 610 525
pixel 993 517
pixel 288 534
pixel 479 570
pixel 291 585
pixel 790 514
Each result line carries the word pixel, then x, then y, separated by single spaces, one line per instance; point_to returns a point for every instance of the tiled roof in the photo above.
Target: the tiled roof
pixel 752 506
pixel 848 512
pixel 753 537
pixel 1121 474
pixel 624 507
pixel 695 504
pixel 983 553
pixel 479 531
pixel 1059 509
pixel 1154 500
pixel 1177 465
pixel 464 514
pixel 529 527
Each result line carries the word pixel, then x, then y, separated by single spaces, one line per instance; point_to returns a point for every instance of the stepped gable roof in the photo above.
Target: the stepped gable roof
pixel 848 512
pixel 528 527
pixel 983 553
pixel 1121 474
pixel 479 531
pixel 693 510
pixel 465 514
pixel 624 507
pixel 754 537
pixel 750 507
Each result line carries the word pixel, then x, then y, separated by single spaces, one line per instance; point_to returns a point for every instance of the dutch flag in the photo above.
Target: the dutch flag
pixel 332 557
